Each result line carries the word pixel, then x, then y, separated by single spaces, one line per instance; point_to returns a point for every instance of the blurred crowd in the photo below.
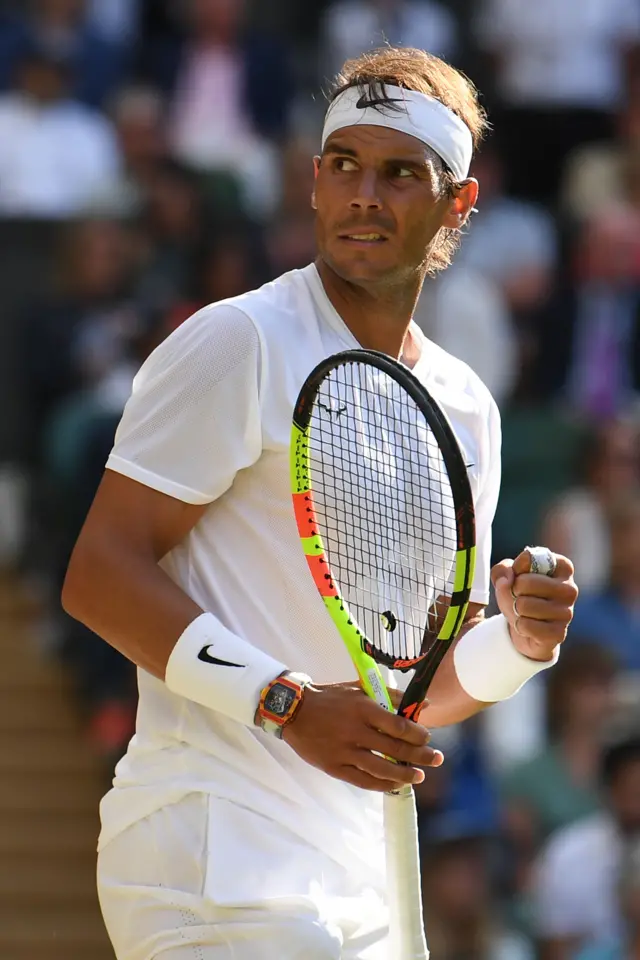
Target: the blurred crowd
pixel 155 155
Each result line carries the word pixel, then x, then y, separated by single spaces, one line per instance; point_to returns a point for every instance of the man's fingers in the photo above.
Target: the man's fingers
pixel 502 571
pixel 541 632
pixel 548 588
pixel 394 726
pixel 533 608
pixel 422 756
pixel 384 769
pixel 364 780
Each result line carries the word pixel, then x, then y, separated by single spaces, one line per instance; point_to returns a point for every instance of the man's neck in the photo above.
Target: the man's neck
pixel 379 320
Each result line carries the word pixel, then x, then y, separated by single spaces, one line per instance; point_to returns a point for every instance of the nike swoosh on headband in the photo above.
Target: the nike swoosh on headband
pixel 363 103
pixel 206 657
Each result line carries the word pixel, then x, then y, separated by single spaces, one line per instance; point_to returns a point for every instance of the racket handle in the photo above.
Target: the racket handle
pixel 406 922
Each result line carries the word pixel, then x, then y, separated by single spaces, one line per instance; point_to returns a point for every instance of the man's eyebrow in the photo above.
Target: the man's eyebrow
pixel 335 147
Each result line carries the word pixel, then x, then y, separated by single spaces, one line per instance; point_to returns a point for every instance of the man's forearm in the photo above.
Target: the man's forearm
pixel 128 600
pixel 448 702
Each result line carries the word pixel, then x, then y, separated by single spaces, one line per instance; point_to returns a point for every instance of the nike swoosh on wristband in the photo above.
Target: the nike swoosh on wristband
pixel 206 657
pixel 363 103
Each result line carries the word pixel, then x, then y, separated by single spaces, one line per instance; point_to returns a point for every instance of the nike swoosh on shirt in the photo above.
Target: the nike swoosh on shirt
pixel 206 657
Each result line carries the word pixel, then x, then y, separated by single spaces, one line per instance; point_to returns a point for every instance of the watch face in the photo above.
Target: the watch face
pixel 279 699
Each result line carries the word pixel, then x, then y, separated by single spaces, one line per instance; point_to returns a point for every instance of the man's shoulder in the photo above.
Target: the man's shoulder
pixel 278 308
pixel 274 313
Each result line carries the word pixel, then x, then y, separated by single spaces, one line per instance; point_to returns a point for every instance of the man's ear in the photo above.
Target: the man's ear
pixel 461 204
pixel 316 170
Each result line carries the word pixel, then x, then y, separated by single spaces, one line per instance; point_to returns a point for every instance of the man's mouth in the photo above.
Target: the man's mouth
pixel 364 237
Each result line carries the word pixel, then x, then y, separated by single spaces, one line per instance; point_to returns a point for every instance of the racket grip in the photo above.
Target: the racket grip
pixel 406 922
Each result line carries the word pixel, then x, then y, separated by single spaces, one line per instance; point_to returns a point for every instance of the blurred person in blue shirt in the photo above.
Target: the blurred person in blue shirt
pixel 97 65
pixel 611 617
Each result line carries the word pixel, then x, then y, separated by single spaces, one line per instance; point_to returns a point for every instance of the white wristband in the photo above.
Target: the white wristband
pixel 217 669
pixel 488 666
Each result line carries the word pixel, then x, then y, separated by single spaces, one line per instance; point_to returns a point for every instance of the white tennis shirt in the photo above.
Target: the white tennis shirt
pixel 209 422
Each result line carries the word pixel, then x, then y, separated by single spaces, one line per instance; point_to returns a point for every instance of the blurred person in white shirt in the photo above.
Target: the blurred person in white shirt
pixel 55 153
pixel 575 889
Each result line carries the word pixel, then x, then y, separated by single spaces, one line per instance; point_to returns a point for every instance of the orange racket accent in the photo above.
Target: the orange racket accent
pixel 412 711
pixel 320 572
pixel 305 513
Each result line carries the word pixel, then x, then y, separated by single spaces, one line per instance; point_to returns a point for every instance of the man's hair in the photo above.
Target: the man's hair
pixel 417 70
pixel 618 757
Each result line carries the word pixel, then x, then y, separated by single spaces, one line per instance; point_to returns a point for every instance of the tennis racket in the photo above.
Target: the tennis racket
pixel 385 514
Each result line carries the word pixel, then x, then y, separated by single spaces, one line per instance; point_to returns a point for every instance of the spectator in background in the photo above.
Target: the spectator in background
pixel 611 617
pixel 290 236
pixel 560 75
pixel 117 21
pixel 461 917
pixel 589 337
pixel 466 313
pixel 55 153
pixel 628 946
pixel 96 64
pixel 577 524
pixel 599 176
pixel 171 231
pixel 576 875
pixel 138 115
pixel 231 91
pixel 483 311
pixel 513 242
pixel 561 784
pixel 352 27
pixel 91 293
pixel 225 266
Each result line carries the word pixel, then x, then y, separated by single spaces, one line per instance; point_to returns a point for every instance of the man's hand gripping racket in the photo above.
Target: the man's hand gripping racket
pixel 386 519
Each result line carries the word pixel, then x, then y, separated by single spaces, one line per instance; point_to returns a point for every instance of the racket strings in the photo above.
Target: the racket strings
pixel 384 509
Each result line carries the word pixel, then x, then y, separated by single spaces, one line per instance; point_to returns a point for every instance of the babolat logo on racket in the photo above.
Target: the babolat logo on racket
pixel 379 691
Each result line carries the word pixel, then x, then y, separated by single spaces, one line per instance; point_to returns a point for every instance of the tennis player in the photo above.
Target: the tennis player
pixel 245 820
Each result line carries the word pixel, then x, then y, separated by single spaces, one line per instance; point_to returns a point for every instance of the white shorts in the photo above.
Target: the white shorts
pixel 204 879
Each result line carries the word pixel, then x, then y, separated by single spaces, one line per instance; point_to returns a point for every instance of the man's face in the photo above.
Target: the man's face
pixel 380 203
pixel 624 796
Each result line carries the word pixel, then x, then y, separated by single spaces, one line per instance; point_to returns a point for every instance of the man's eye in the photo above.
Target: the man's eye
pixel 401 172
pixel 344 165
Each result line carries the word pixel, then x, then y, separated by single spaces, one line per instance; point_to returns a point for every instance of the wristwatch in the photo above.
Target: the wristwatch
pixel 279 702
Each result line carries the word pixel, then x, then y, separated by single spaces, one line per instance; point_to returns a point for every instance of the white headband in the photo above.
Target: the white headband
pixel 410 112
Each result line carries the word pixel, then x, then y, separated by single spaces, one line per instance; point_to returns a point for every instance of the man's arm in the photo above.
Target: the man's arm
pixel 537 609
pixel 448 702
pixel 114 584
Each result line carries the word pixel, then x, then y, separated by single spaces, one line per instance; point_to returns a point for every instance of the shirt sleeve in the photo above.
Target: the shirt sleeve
pixel 486 504
pixel 193 419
